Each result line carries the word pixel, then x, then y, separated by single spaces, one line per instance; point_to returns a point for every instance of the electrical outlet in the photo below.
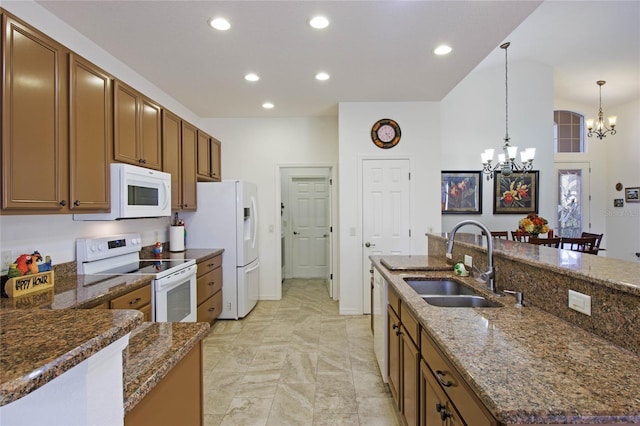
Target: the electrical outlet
pixel 468 261
pixel 580 302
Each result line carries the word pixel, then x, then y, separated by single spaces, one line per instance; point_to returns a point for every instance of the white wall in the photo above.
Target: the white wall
pixel 252 150
pixel 473 119
pixel 623 165
pixel 420 142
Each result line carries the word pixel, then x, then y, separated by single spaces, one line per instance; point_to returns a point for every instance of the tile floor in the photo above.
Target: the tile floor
pixel 294 362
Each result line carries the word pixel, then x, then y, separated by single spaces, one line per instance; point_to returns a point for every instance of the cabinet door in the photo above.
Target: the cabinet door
pixel 216 160
pixel 393 333
pixel 204 156
pixel 435 406
pixel 410 384
pixel 172 159
pixel 150 134
pixel 34 120
pixel 90 137
pixel 125 124
pixel 189 179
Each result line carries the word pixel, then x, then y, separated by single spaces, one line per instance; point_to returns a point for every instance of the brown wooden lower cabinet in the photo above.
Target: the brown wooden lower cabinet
pixel 435 407
pixel 446 379
pixel 176 400
pixel 139 299
pixel 209 289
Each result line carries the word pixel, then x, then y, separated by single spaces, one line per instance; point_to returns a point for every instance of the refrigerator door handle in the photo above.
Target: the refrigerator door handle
pixel 257 265
pixel 255 221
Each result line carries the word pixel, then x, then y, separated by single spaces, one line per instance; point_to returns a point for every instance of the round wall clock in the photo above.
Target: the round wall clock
pixel 385 133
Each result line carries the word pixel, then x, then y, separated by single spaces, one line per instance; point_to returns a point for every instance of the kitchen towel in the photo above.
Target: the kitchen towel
pixel 176 238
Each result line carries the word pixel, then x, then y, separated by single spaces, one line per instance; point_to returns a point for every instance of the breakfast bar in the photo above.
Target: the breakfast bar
pixel 535 364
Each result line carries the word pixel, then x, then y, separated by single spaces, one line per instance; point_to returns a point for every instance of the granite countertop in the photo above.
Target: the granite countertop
pixel 415 263
pixel 38 345
pixel 613 273
pixel 72 290
pixel 526 365
pixel 66 334
pixel 154 349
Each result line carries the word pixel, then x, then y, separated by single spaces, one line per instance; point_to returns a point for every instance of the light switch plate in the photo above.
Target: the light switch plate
pixel 580 302
pixel 468 261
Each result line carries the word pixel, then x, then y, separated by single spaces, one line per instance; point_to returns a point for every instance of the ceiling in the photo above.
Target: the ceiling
pixel 375 51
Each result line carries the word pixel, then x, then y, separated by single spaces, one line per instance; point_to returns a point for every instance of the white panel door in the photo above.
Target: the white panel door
pixel 310 225
pixel 386 214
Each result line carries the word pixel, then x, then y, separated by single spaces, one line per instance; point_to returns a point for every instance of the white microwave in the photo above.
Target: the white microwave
pixel 136 192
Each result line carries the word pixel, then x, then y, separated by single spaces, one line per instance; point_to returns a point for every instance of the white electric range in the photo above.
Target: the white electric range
pixel 174 280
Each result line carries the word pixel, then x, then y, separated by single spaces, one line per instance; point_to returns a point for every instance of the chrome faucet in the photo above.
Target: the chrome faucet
pixel 489 275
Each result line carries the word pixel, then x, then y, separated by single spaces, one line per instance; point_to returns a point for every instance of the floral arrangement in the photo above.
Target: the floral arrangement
pixel 533 224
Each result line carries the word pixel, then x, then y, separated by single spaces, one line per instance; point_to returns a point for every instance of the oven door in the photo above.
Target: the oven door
pixel 175 297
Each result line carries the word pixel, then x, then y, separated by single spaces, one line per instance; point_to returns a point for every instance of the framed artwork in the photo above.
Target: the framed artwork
pixel 461 192
pixel 618 202
pixel 632 195
pixel 516 193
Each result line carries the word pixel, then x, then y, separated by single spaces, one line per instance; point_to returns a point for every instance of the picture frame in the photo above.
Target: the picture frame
pixel 618 202
pixel 461 192
pixel 632 194
pixel 516 193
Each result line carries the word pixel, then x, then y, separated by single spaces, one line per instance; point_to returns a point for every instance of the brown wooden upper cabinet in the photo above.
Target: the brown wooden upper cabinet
pixel 34 120
pixel 209 164
pixel 90 135
pixel 137 128
pixel 179 159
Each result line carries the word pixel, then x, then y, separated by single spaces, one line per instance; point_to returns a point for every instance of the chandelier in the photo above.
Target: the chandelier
pixel 507 161
pixel 601 129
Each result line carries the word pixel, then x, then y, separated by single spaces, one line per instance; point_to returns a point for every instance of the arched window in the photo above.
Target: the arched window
pixel 569 131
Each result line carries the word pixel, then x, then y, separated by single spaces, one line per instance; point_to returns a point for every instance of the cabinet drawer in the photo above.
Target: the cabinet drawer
pixel 465 401
pixel 209 265
pixel 211 308
pixel 394 300
pixel 410 324
pixel 133 300
pixel 208 285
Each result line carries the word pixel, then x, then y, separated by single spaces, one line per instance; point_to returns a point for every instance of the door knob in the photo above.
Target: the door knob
pixel 368 244
pixel 295 233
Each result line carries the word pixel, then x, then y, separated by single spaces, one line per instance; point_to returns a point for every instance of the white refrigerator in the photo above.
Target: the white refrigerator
pixel 227 218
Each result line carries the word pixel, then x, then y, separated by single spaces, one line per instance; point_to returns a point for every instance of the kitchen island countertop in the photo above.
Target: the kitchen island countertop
pixel 38 345
pixel 526 365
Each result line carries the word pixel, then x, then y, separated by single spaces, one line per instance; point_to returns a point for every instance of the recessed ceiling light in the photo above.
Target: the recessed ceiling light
pixel 322 76
pixel 267 105
pixel 442 50
pixel 251 77
pixel 220 24
pixel 319 22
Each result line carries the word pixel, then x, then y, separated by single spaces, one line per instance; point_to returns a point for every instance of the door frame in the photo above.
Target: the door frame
pixel 309 170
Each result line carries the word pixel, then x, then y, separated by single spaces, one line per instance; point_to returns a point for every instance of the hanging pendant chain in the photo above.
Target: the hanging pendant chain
pixel 506 97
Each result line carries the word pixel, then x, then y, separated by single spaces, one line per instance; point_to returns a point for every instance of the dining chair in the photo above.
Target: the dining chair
pixel 580 244
pixel 519 235
pixel 549 242
pixel 502 235
pixel 596 245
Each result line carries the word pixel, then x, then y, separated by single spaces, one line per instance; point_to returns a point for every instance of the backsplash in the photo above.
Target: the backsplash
pixel 614 313
pixel 55 235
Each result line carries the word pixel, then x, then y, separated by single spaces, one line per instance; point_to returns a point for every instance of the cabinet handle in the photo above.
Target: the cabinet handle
pixel 212 309
pixel 142 161
pixel 210 265
pixel 136 300
pixel 444 414
pixel 394 326
pixel 440 376
pixel 63 203
pixel 440 407
pixel 76 203
pixel 185 206
pixel 212 283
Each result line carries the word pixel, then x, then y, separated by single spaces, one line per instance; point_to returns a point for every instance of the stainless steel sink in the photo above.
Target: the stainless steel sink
pixel 439 287
pixel 465 301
